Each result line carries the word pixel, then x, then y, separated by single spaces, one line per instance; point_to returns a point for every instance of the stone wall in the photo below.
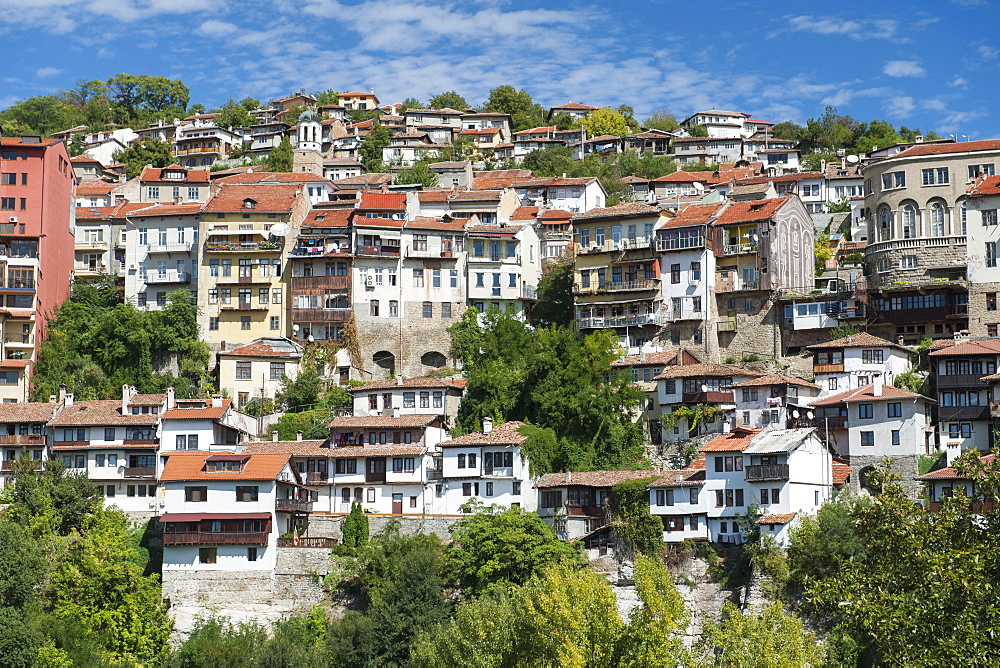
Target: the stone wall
pixel 756 331
pixel 980 317
pixel 329 526
pixel 906 467
pixel 408 339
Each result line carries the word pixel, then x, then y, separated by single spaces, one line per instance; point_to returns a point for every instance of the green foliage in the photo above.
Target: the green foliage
pixel 698 131
pixel 280 157
pixel 549 161
pixel 237 114
pixel 821 252
pixel 355 530
pixel 448 100
pixel 928 463
pixel 419 173
pixel 840 331
pixel 152 151
pixel 636 525
pixel 787 130
pixel 371 147
pixel 910 381
pixel 694 416
pixel 822 545
pixel 772 638
pixel 555 295
pixel 661 119
pixel 524 112
pixel 51 500
pixel 841 206
pixel 494 549
pixel 312 423
pixel 302 391
pixel 328 96
pixel 143 91
pixel 605 121
pixel 700 167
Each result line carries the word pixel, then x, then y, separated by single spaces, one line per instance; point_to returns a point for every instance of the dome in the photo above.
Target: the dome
pixel 309 116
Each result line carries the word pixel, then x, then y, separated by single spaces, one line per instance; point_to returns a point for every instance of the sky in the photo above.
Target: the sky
pixel 929 64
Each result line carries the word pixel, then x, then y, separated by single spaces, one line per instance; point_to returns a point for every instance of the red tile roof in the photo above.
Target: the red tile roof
pixel 374 179
pixel 525 213
pixel 859 340
pixel 271 198
pixel 503 434
pixel 972 347
pixel 184 466
pixel 410 382
pixel 108 212
pixel 187 208
pixel 841 472
pixel 272 177
pixel 385 422
pixel 100 412
pixel 95 187
pixel 373 201
pixel 950 473
pixel 781 518
pixel 694 214
pixel 737 440
pixel 387 450
pixel 261 348
pixel 653 359
pixel 688 476
pixel 625 209
pixel 555 217
pixel 747 212
pixel 199 413
pixel 494 230
pixel 191 175
pixel 35 411
pixel 684 177
pixel 576 106
pixel 303 448
pixel 706 370
pixel 328 218
pixel 957 147
pixel 988 186
pixel 867 393
pixel 432 223
pixel 776 379
pixel 592 478
pixel 19 141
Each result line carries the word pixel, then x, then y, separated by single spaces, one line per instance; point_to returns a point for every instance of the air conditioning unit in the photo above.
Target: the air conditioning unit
pixel 131 267
pixel 370 281
pixel 13 219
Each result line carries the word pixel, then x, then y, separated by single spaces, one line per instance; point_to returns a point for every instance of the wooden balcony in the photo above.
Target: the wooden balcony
pixel 766 473
pixel 215 538
pixel 293 506
pixel 140 472
pixel 151 442
pixel 321 314
pixel 320 283
pixel 315 478
pixel 638 284
pixel 946 413
pixel 710 397
pixel 975 506
pixel 970 381
pixel 828 368
pixel 22 439
pixel 585 511
pixel 837 422
pixel 377 251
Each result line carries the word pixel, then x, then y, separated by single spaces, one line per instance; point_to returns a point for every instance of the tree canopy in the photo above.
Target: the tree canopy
pixel 448 100
pixel 371 147
pixel 661 119
pixel 152 151
pixel 605 121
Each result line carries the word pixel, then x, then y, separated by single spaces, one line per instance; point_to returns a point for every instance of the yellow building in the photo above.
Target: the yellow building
pixel 247 233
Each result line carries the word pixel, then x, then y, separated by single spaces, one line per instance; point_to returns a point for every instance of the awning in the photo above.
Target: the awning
pixel 197 517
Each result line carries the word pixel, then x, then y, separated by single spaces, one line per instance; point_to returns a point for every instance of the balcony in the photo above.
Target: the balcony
pixel 433 474
pixel 499 472
pixel 320 283
pixel 709 397
pixel 19 340
pixel 247 247
pixel 946 413
pixel 97 245
pixel 140 471
pixel 638 284
pixel 738 249
pixel 314 251
pixel 215 538
pixel 601 322
pixel 321 314
pixel 8 465
pixel 377 251
pixel 171 276
pixel 580 510
pixel 314 478
pixel 181 247
pixel 293 506
pixel 142 442
pixel 978 507
pixel 430 253
pixel 833 422
pixel 245 306
pixel 307 541
pixel 670 243
pixel 828 368
pixel 766 473
pixel 907 244
pixel 22 439
pixel 964 381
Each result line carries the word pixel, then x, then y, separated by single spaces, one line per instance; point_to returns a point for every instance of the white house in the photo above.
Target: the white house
pixel 203 424
pixel 774 401
pixel 408 396
pixel 719 123
pixel 852 361
pixel 161 253
pixel 677 498
pixel 504 265
pixel 577 503
pixel 947 483
pixel 576 195
pixel 703 383
pixel 487 466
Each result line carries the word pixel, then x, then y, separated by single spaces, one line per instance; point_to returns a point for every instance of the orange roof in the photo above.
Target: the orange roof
pixel 973 347
pixel 303 448
pixel 591 478
pixel 261 348
pixel 107 212
pixel 623 209
pixel 575 105
pixel 694 214
pixel 503 434
pixel 272 177
pixel 737 440
pixel 384 422
pixel 867 393
pixel 684 177
pixel 840 473
pixel 100 412
pixel 95 187
pixel 688 476
pixel 184 466
pixel 776 379
pixel 957 147
pixel 859 340
pixel 525 213
pixel 327 218
pixel 170 209
pixel 374 201
pixel 191 175
pixel 750 211
pixel 780 518
pixel 409 382
pixel 950 473
pixel 988 186
pixel 272 198
pixel 706 370
pixel 197 413
pixel 19 141
pixel 432 223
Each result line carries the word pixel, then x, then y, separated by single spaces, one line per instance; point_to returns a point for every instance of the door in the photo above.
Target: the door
pixel 397 504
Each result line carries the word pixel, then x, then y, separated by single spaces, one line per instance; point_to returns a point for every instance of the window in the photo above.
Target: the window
pixel 893 180
pixel 428 310
pixel 937 219
pixel 418 278
pixel 425 399
pixel 934 176
pixel 208 555
pixel 196 494
pixel 764 497
pixel 246 493
pixel 895 409
pixel 675 273
pixel 908 262
pixel 436 278
pixel 446 309
pixel 393 308
pixel 409 399
pixel 867 438
pixel 989 216
pixel 244 322
pixel 895 437
pixel 991 253
pixel 991 301
pixel 865 411
pixel 873 356
pixel 453 278
pixel 242 370
pixel 373 308
pixel 345 466
pixel 275 322
pixel 277 370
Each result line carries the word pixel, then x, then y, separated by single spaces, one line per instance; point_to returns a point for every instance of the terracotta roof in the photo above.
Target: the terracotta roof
pixel 746 212
pixel 684 177
pixel 387 450
pixel 184 209
pixel 737 440
pixel 859 340
pixel 776 379
pixel 14 364
pixel 480 131
pixel 378 222
pixel 493 230
pixel 84 158
pixel 147 399
pixel 19 141
pixel 328 218
pixel 624 209
pixel 108 212
pixel 502 434
pixel 694 214
pixel 781 518
pixel 950 473
pixel 688 476
pixel 554 181
pixel 373 201
pixel 100 412
pixel 266 347
pixel 575 105
pixel 525 213
pixel 303 448
pixel 34 411
pixel 191 466
pixel 650 359
pixel 957 147
pixel 840 473
pixel 591 478
pixel 534 131
pixel 455 164
pixel 409 382
pixel 191 175
pixel 199 413
pixel 501 178
pixel 384 422
pixel 363 180
pixel 432 223
pixel 271 198
pixel 707 370
pixel 481 195
pixel 555 217
pixel 867 393
pixel 971 347
pixel 273 177
pixel 95 187
pixel 988 186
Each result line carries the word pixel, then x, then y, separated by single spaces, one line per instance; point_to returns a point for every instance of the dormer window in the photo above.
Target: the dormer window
pixel 219 463
pixel 756 207
pixel 249 203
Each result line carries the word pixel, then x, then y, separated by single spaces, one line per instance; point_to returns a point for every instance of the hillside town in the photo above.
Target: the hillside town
pixel 791 332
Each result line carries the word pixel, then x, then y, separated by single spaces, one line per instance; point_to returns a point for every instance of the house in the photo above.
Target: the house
pixel 603 145
pixel 95 192
pixel 947 483
pixel 318 188
pixel 211 424
pixel 576 503
pixel 868 424
pixel 555 233
pixel 202 144
pixel 485 140
pixel 705 384
pixel 409 396
pixel 504 266
pixel 680 187
pixel 643 369
pixel 774 401
pixel 487 466
pixel 335 169
pixel 172 185
pixel 708 150
pixel 655 142
pixel 487 119
pixel 576 195
pixel 965 389
pixel 574 110
pixel 23 433
pixel 852 361
pixel 678 500
pixel 454 174
pixel 254 371
pixel 720 123
pixel 99 246
pixel 230 512
pixel 160 253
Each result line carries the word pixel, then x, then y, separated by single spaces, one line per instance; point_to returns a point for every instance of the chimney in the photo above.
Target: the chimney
pixel 843 162
pixel 126 396
pixel 298 435
pixel 371 90
pixel 919 139
pixel 877 382
pixel 569 477
pixel 487 425
pixel 62 392
pixel 216 401
pixel 399 380
pixel 899 339
pixel 726 427
pixel 170 398
pixel 274 436
pixel 395 412
pixel 52 398
pixel 68 401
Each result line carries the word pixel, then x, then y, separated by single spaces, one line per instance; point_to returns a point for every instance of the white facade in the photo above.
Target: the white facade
pixel 483 467
pixel 847 364
pixel 576 195
pixel 161 254
pixel 504 265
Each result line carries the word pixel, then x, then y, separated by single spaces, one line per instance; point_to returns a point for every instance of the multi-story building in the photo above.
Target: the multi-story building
pixel 854 360
pixel 774 401
pixel 574 110
pixel 705 384
pixel 983 228
pixel 99 246
pixel 161 253
pixel 576 195
pixel 254 371
pixel 965 402
pixel 23 433
pixel 246 237
pixel 643 369
pixel 577 503
pixel 409 396
pixel 37 217
pixel 320 283
pixel 720 123
pixel 210 424
pixel 317 187
pixel 677 498
pixel 504 265
pixel 169 185
pixel 202 144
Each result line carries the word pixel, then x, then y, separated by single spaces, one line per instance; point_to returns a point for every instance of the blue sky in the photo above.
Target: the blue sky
pixel 920 64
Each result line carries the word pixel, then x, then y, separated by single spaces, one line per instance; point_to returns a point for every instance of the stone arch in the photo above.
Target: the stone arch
pixel 909 219
pixel 433 358
pixel 866 483
pixel 383 359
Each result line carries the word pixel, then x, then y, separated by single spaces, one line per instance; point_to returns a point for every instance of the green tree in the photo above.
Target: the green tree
pixel 564 121
pixel 698 131
pixel 628 113
pixel 518 103
pixel 448 100
pixel 661 119
pixel 419 173
pixel 371 147
pixel 772 638
pixel 51 500
pixel 787 130
pixel 820 546
pixel 302 391
pixel 328 96
pixel 910 381
pixel 143 91
pixel 355 529
pixel 237 114
pixel 280 158
pixel 312 423
pixel 42 115
pixel 411 103
pixel 636 525
pixel 555 294
pixel 152 151
pixel 494 549
pixel 216 642
pixel 605 121
pixel 549 161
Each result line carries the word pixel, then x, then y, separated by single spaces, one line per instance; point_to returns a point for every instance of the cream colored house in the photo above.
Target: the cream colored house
pixel 255 370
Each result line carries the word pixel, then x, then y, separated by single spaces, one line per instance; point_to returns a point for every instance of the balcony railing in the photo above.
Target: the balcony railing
pixel 679 244
pixel 245 306
pixel 585 510
pixel 962 380
pixel 425 252
pixel 433 474
pixel 321 283
pixel 172 276
pixel 638 284
pixel 963 413
pixel 499 472
pixel 321 314
pixel 22 439
pixel 377 251
pixel 215 538
pixel 836 422
pixel 738 249
pixel 975 506
pixel 293 506
pixel 177 247
pixel 140 471
pixel 151 442
pixel 828 368
pixel 709 397
pixel 314 477
pixel 599 322
pixel 247 247
pixel 766 473
pixel 307 541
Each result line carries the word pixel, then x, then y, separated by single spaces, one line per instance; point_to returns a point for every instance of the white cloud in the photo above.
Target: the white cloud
pixel 64 16
pixel 216 28
pixel 903 68
pixel 988 52
pixel 900 107
pixel 959 82
pixel 43 72
pixel 869 28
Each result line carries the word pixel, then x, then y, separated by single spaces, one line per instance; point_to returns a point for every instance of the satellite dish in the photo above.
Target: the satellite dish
pixel 704 388
pixel 310 338
pixel 698 186
pixel 280 230
pixel 809 414
pixel 853 159
pixel 295 328
pixel 795 414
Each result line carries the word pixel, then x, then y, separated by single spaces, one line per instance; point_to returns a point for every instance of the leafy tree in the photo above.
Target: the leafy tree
pixel 564 121
pixel 328 96
pixel 698 131
pixel 523 111
pixel 636 525
pixel 661 119
pixel 152 151
pixel 237 114
pixel 312 423
pixel 494 549
pixel 419 173
pixel 605 121
pixel 700 167
pixel 772 638
pixel 448 100
pixel 42 115
pixel 355 529
pixel 555 294
pixel 840 331
pixel 820 546
pixel 875 133
pixel 143 91
pixel 411 103
pixel 303 390
pixel 216 642
pixel 51 500
pixel 787 130
pixel 371 147
pixel 280 158
pixel 85 91
pixel 822 252
pixel 628 113
pixel 842 206
pixel 910 381
pixel 549 161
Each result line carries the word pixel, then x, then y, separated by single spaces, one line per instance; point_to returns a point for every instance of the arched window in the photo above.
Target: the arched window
pixel 884 225
pixel 963 217
pixel 937 220
pixel 909 221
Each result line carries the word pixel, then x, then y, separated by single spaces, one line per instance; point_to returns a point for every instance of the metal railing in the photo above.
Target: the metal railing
pixel 766 473
pixel 293 505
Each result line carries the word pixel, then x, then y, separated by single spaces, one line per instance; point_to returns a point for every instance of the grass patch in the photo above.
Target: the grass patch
pixel 930 463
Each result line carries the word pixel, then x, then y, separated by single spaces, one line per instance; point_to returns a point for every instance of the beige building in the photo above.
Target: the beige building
pixel 255 370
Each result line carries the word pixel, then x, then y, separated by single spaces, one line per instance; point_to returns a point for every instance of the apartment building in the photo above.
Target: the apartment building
pixel 965 389
pixel 37 217
pixel 320 283
pixel 577 503
pixel 246 235
pixel 774 401
pixel 854 361
pixel 99 247
pixel 409 396
pixel 642 369
pixel 161 252
pixel 704 384
pixel 23 433
pixel 503 265
pixel 168 185
pixel 255 370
